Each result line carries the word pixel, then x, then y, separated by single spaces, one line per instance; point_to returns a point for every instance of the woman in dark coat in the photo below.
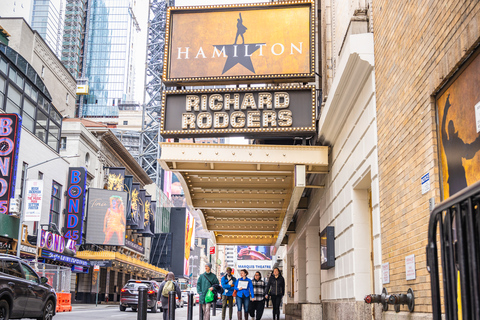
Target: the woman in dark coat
pixel 276 290
pixel 164 300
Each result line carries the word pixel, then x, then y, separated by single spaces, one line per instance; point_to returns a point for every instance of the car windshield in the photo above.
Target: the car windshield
pixel 136 285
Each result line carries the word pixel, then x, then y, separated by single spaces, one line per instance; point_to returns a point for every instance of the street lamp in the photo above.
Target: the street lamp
pixel 22 212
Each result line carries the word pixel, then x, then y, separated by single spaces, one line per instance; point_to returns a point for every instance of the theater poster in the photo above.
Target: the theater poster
pixel 189 240
pixel 458 108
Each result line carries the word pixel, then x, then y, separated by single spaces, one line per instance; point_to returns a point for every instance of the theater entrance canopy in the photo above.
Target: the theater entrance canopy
pixel 247 193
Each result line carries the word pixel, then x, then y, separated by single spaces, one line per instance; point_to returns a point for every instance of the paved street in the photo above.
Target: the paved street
pixel 89 311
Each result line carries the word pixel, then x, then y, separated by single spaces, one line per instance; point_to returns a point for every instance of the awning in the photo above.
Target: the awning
pixel 247 193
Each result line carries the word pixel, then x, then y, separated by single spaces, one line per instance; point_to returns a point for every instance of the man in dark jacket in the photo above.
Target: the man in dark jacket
pixel 164 299
pixel 228 283
pixel 276 290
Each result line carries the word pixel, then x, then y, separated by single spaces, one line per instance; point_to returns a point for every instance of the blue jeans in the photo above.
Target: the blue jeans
pixel 242 301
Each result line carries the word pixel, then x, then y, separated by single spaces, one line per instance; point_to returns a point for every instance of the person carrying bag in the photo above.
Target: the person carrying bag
pixel 228 284
pixel 244 289
pixel 206 283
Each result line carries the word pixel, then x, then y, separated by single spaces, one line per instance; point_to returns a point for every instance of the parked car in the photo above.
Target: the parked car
pixel 129 295
pixel 23 293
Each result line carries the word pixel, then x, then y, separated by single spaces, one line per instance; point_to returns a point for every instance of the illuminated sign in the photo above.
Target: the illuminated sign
pixel 10 128
pixel 59 257
pixel 57 243
pixel 106 221
pixel 238 43
pixel 75 203
pixel 281 111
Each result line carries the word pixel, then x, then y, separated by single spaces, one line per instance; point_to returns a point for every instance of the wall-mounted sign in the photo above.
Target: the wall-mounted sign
pixel 327 248
pixel 33 208
pixel 10 128
pixel 75 203
pixel 106 222
pixel 385 273
pixel 410 273
pixel 212 250
pixel 101 263
pixel 239 43
pixel 256 265
pixel 56 242
pixel 134 246
pixel 281 111
pixel 60 257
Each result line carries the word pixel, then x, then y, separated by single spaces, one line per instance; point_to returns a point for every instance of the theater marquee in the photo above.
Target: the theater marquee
pixel 281 111
pixel 240 43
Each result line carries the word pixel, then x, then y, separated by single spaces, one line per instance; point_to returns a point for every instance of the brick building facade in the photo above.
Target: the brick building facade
pixel 419 48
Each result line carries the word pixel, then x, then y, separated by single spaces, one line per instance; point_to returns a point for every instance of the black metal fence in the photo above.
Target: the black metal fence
pixel 458 222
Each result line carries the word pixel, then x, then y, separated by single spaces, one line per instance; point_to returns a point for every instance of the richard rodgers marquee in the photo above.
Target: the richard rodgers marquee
pixel 268 110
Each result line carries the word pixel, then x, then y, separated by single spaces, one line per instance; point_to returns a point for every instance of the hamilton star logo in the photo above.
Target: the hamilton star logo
pixel 239 53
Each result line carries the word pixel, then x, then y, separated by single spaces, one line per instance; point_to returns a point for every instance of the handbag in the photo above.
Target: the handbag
pixel 234 294
pixel 209 296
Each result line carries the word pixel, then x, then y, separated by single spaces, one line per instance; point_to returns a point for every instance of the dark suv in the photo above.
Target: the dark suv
pixel 129 295
pixel 23 294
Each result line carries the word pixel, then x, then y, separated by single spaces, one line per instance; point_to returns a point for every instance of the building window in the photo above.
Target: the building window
pixel 43 72
pixel 55 203
pixel 40 175
pixel 125 123
pixel 63 143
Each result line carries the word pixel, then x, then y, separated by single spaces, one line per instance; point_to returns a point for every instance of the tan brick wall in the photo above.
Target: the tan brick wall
pixel 418 46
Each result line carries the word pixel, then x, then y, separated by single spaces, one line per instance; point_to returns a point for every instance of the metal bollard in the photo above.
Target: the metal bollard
pixel 200 312
pixel 214 306
pixel 171 305
pixel 142 303
pixel 190 306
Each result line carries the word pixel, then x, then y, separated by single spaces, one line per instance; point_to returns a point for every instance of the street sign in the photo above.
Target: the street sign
pixel 212 250
pixel 96 268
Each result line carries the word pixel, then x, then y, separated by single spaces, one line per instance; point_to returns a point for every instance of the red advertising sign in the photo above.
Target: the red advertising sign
pixel 10 126
pixel 212 250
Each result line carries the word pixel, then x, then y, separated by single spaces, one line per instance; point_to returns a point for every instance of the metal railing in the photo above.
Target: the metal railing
pixel 59 277
pixel 458 222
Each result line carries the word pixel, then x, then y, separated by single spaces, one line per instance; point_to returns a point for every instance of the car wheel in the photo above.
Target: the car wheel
pixel 4 310
pixel 123 308
pixel 134 309
pixel 48 311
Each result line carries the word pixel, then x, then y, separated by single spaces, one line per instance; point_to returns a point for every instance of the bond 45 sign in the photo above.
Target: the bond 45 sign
pixel 75 205
pixel 282 111
pixel 10 126
pixel 239 43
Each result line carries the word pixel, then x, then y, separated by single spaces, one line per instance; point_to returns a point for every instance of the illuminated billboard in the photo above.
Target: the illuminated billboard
pixel 10 129
pixel 281 111
pixel 238 43
pixel 189 240
pixel 106 217
pixel 255 257
pixel 75 203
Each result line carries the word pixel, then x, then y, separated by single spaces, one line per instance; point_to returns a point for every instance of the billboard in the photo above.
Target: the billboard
pixel 148 215
pixel 134 220
pixel 189 239
pixel 106 221
pixel 255 257
pixel 284 110
pixel 10 128
pixel 116 179
pixel 458 108
pixel 240 43
pixel 75 203
pixel 33 209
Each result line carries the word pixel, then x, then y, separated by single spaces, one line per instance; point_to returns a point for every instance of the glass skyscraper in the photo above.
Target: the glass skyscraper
pixel 47 20
pixel 74 36
pixel 108 60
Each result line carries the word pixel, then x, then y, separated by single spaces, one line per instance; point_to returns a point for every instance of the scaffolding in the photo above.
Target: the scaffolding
pixel 150 137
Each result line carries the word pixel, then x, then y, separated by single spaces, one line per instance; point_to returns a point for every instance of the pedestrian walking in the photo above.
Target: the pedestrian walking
pixel 165 287
pixel 228 284
pixel 205 282
pixel 244 289
pixel 258 305
pixel 276 290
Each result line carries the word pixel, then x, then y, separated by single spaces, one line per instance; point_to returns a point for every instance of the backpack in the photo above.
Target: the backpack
pixel 169 286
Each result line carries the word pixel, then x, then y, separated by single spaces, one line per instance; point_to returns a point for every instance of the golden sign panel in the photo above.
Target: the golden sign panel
pixel 280 111
pixel 231 44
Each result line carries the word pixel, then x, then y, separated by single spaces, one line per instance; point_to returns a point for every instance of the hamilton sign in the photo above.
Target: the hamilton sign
pixel 239 43
pixel 281 111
